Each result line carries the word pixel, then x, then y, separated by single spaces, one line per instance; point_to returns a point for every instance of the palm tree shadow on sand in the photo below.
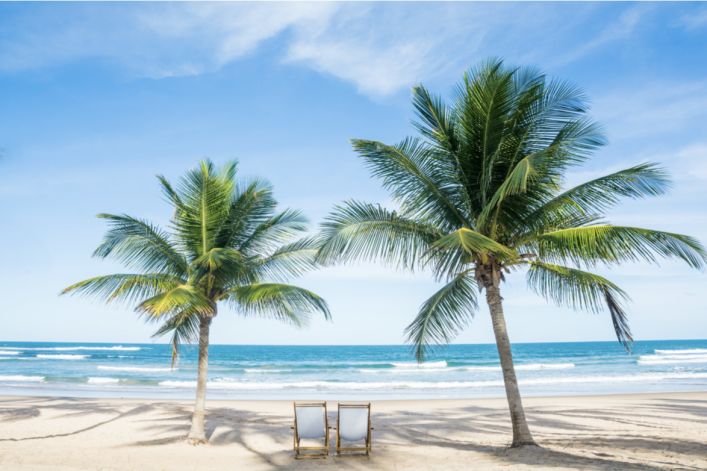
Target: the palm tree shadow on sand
pixel 615 438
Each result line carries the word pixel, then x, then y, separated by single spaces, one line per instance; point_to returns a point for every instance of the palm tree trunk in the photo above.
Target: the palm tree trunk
pixel 521 432
pixel 197 434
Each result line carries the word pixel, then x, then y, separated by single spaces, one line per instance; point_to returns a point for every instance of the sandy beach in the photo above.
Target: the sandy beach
pixel 641 431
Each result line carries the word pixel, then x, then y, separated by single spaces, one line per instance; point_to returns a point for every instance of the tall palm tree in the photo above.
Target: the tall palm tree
pixel 226 244
pixel 480 195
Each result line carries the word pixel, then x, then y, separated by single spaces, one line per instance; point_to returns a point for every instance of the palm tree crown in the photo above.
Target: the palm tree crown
pixel 480 193
pixel 226 244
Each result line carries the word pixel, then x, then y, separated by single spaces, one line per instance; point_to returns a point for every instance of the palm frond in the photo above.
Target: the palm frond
pixel 459 250
pixel 205 195
pixel 411 170
pixel 139 244
pixel 218 259
pixel 358 231
pixel 515 183
pixel 184 327
pixel 579 289
pixel 250 211
pixel 484 99
pixel 170 193
pixel 436 121
pixel 289 260
pixel 600 194
pixel 443 315
pixel 184 297
pixel 613 244
pixel 124 287
pixel 275 231
pixel 284 302
pixel 473 243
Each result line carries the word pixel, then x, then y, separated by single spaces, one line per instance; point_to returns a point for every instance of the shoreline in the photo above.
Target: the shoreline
pixel 616 431
pixel 525 396
pixel 327 345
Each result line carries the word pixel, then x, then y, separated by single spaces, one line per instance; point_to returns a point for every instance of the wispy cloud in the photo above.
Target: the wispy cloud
pixel 655 106
pixel 380 48
pixel 384 48
pixel 619 29
pixel 152 40
pixel 695 19
pixel 228 32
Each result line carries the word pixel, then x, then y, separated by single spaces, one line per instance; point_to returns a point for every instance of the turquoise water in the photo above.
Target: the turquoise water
pixel 349 372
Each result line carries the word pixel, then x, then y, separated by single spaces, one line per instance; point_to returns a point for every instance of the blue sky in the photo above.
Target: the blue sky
pixel 96 99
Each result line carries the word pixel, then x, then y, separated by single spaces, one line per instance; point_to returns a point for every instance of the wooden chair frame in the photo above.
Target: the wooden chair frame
pixel 354 449
pixel 311 451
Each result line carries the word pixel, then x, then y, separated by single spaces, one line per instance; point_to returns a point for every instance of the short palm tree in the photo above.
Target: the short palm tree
pixel 226 244
pixel 480 195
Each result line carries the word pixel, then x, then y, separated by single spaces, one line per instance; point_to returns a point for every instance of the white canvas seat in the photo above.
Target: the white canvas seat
pixel 311 423
pixel 353 428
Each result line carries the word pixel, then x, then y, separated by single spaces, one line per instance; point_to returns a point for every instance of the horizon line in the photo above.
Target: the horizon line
pixel 352 345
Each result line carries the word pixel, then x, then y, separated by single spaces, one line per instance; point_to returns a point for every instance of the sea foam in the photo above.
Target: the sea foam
pixel 62 357
pixel 119 348
pixel 524 367
pixel 670 359
pixel 102 380
pixel 136 369
pixel 22 378
pixel 680 352
pixel 415 365
pixel 481 368
pixel 235 384
pixel 678 356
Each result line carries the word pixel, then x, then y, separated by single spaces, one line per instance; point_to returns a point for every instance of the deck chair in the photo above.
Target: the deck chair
pixel 311 424
pixel 353 427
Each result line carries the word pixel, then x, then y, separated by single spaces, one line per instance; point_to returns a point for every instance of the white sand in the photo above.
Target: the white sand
pixel 651 431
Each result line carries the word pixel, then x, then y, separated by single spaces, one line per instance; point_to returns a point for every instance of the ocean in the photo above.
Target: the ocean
pixel 349 372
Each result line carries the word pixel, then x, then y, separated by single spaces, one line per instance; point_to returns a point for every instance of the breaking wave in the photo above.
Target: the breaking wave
pixel 62 357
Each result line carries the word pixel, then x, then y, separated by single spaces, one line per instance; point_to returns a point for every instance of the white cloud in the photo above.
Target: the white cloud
pixel 388 49
pixel 233 30
pixel 153 40
pixel 353 42
pixel 380 48
pixel 695 19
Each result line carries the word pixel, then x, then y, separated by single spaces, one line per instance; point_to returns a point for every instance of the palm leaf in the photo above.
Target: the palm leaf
pixel 443 315
pixel 205 197
pixel 289 260
pixel 410 170
pixel 361 231
pixel 124 287
pixel 579 289
pixel 184 297
pixel 436 121
pixel 275 231
pixel 473 243
pixel 279 301
pixel 250 211
pixel 602 193
pixel 184 327
pixel 613 244
pixel 139 244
